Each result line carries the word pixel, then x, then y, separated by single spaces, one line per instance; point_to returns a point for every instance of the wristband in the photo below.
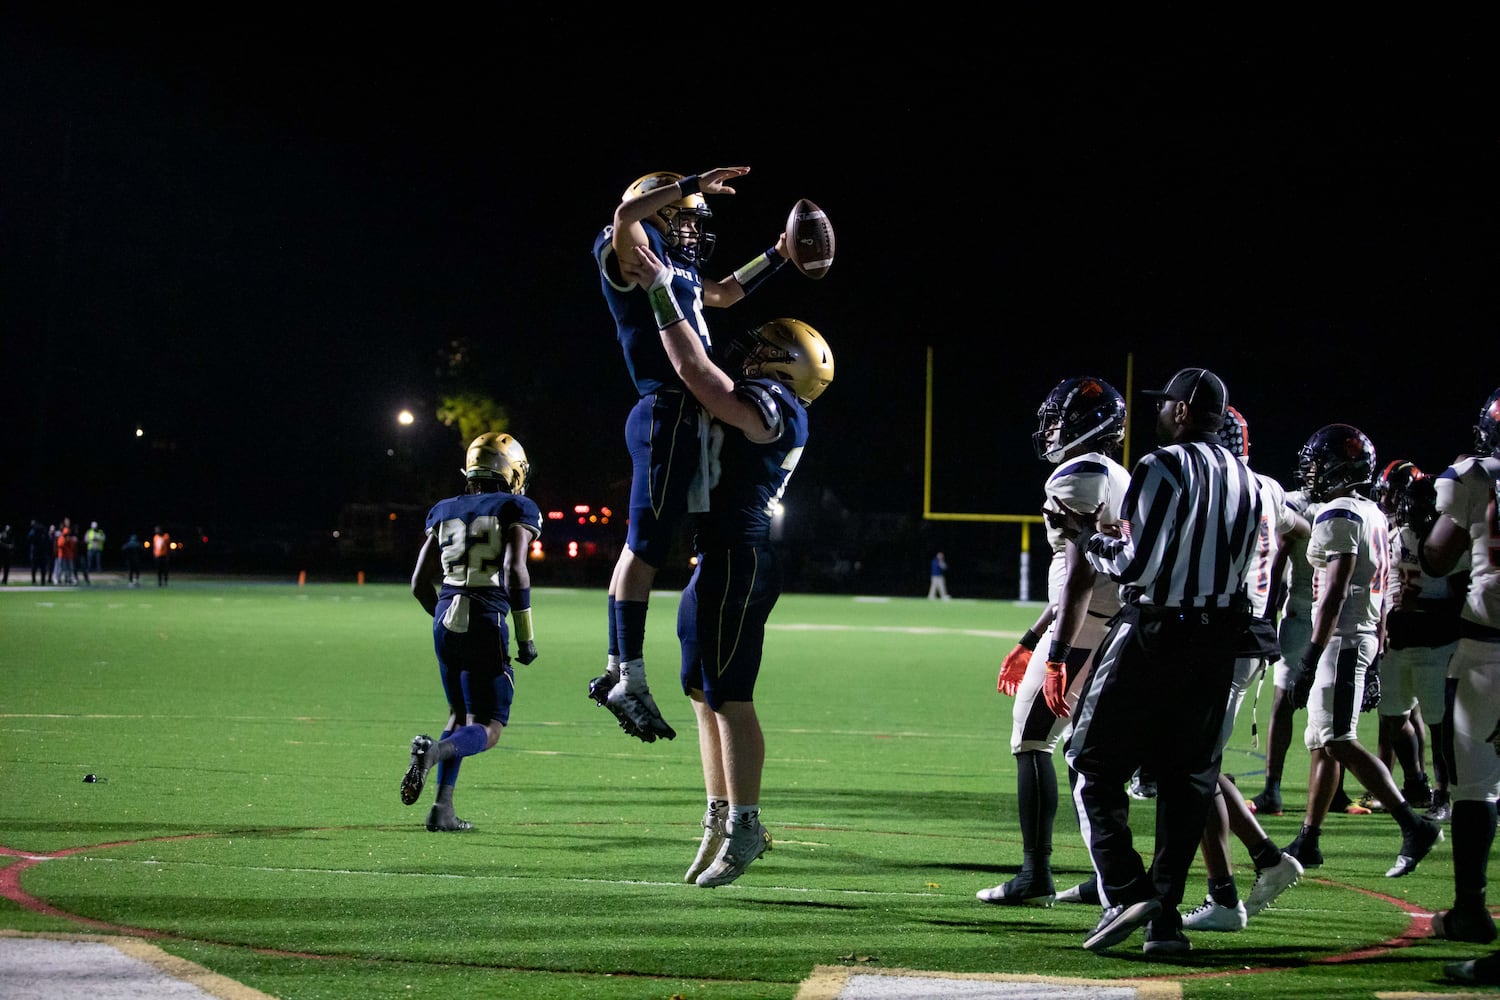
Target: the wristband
pixel 1312 655
pixel 1055 666
pixel 522 618
pixel 751 275
pixel 663 303
pixel 1060 651
pixel 688 185
pixel 1029 639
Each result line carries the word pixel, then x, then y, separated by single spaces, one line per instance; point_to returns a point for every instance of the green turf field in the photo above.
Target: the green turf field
pixel 250 739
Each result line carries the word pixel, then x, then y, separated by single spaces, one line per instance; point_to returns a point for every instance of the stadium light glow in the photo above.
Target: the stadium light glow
pixel 405 418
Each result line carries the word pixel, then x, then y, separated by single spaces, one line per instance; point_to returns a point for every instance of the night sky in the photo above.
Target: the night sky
pixel 257 245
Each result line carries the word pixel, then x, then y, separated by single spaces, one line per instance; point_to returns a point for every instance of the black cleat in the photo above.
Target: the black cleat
pixel 423 756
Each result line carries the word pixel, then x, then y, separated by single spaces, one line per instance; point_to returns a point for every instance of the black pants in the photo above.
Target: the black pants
pixel 1155 699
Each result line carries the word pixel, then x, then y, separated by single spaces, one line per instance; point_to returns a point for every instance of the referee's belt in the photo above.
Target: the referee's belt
pixel 1234 614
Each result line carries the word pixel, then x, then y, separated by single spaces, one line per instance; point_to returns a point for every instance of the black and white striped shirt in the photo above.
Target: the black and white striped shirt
pixel 1190 522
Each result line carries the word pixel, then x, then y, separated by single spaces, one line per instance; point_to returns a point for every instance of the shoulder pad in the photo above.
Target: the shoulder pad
pixel 759 395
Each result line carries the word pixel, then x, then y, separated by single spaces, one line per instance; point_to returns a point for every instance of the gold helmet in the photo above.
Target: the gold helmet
pixel 793 353
pixel 499 457
pixel 691 242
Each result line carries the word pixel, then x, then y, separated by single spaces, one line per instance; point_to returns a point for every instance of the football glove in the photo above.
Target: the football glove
pixel 1307 672
pixel 526 650
pixel 1013 670
pixel 1055 689
pixel 1371 699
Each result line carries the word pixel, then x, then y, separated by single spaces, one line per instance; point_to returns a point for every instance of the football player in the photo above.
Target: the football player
pixel 1275 870
pixel 1351 553
pixel 1422 621
pixel 470 573
pixel 760 430
pixel 1466 522
pixel 1080 427
pixel 667 213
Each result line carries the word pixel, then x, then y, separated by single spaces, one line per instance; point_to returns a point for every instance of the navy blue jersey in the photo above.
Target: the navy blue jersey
pixel 472 529
pixel 635 324
pixel 748 478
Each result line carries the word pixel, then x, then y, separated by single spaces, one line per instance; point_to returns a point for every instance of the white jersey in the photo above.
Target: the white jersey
pixel 1276 519
pixel 1299 575
pixel 1085 483
pixel 1406 570
pixel 1466 493
pixel 1353 525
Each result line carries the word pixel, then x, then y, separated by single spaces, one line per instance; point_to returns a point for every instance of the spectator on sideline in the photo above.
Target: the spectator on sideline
pixel 938 583
pixel 39 549
pixel 470 573
pixel 132 552
pixel 7 547
pixel 65 548
pixel 161 551
pixel 94 540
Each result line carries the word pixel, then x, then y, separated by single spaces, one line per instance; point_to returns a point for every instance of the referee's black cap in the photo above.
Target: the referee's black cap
pixel 1199 388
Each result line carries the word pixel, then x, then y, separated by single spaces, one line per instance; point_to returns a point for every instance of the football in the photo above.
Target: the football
pixel 809 238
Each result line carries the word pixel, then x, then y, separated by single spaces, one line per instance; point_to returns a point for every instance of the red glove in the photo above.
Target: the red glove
pixel 1012 670
pixel 1055 689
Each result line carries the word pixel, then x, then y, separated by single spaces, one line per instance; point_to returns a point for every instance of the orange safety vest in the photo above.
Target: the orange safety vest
pixel 159 544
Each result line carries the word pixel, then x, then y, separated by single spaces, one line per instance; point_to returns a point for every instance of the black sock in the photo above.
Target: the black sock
pixel 1036 790
pixel 1223 892
pixel 1265 854
pixel 1473 834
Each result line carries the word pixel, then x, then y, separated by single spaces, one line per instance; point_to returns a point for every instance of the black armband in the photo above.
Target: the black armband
pixel 688 185
pixel 753 274
pixel 1029 639
pixel 664 305
pixel 1060 652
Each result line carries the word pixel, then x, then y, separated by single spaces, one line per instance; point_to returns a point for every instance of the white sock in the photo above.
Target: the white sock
pixel 633 673
pixel 743 816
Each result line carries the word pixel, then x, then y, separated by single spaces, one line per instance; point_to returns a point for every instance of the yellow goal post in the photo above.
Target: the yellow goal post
pixel 1024 520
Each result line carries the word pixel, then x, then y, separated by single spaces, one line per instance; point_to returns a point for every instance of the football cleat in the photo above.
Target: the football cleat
pixel 1271 882
pixel 1304 850
pixel 440 819
pixel 1415 845
pixel 1119 922
pixel 1086 893
pixel 638 714
pixel 423 756
pixel 1017 893
pixel 1267 803
pixel 1472 924
pixel 714 835
pixel 1213 916
pixel 740 848
pixel 1166 941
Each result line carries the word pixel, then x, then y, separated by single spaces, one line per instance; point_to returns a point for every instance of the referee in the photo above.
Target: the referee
pixel 1157 692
